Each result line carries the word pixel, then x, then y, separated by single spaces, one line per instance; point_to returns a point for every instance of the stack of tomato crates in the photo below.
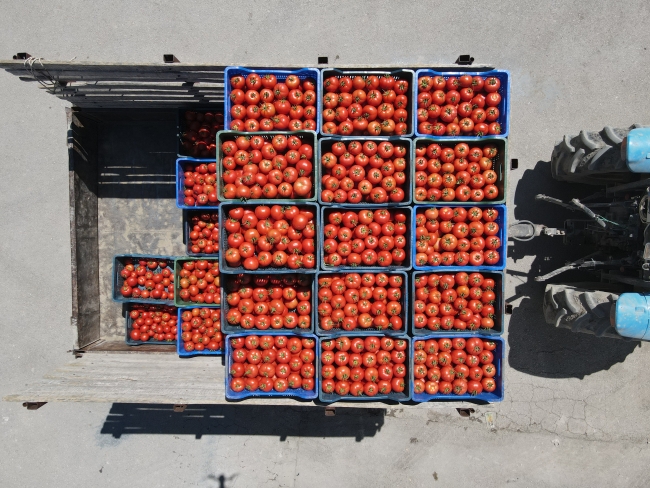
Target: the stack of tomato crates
pixel 361 235
pixel 413 191
pixel 269 221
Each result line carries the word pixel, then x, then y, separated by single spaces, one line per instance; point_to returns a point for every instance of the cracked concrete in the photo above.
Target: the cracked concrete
pixel 576 407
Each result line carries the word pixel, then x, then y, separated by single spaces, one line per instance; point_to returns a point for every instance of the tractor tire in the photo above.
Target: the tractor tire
pixel 592 157
pixel 580 310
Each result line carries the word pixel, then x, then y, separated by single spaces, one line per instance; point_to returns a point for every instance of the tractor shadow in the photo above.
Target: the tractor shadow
pixel 535 347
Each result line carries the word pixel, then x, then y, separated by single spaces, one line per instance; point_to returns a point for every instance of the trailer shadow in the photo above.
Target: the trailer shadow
pixel 535 347
pixel 239 419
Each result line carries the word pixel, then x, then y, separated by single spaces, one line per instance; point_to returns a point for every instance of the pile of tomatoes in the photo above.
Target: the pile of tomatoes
pixel 462 173
pixel 272 363
pixel 458 301
pixel 204 233
pixel 262 103
pixel 278 236
pixel 364 171
pixel 153 322
pixel 147 279
pixel 364 366
pixel 371 105
pixel 199 184
pixel 365 238
pixel 464 105
pixel 351 300
pixel 199 282
pixel 454 366
pixel 267 167
pixel 269 301
pixel 201 329
pixel 458 236
pixel 198 130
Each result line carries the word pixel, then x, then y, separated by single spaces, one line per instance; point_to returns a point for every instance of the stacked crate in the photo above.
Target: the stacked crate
pixel 331 127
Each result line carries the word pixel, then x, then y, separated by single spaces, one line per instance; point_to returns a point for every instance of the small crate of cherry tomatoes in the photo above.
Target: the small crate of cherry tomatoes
pixel 142 278
pixel 464 302
pixel 266 304
pixel 465 105
pixel 447 238
pixel 374 103
pixel 370 171
pixel 268 365
pixel 365 368
pixel 457 171
pixel 196 133
pixel 258 100
pixel 365 239
pixel 151 324
pixel 201 233
pixel 199 332
pixel 362 303
pixel 198 282
pixel 457 368
pixel 274 238
pixel 267 166
pixel 196 184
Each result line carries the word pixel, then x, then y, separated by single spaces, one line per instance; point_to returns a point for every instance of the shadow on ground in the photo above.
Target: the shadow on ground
pixel 536 347
pixel 239 419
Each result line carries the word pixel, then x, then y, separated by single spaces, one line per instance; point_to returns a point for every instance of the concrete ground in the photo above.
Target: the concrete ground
pixel 576 407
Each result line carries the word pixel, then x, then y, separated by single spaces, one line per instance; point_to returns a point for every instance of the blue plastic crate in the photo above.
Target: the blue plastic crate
pixel 326 210
pixel 226 328
pixel 181 124
pixel 499 306
pixel 187 215
pixel 180 347
pixel 291 392
pixel 181 164
pixel 401 74
pixel 499 362
pixel 226 268
pixel 503 229
pixel 280 74
pixel 504 106
pixel 119 261
pixel 326 143
pixel 404 396
pixel 337 332
pixel 306 136
pixel 177 287
pixel 129 323
pixel 500 166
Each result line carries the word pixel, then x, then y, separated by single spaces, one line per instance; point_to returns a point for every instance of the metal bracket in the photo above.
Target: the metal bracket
pixel 330 411
pixel 465 412
pixel 33 405
pixel 464 60
pixel 180 407
pixel 170 58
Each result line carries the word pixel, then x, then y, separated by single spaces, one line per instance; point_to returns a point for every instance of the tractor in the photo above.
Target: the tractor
pixel 612 225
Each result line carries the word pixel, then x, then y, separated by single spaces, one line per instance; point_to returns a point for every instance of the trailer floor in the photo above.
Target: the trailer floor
pixel 576 407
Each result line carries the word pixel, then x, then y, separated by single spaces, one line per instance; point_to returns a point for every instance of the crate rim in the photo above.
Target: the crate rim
pixel 454 398
pixel 453 140
pixel 409 184
pixel 505 99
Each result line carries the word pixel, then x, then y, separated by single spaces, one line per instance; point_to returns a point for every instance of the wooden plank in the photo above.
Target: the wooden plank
pixel 82 154
pixel 146 378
